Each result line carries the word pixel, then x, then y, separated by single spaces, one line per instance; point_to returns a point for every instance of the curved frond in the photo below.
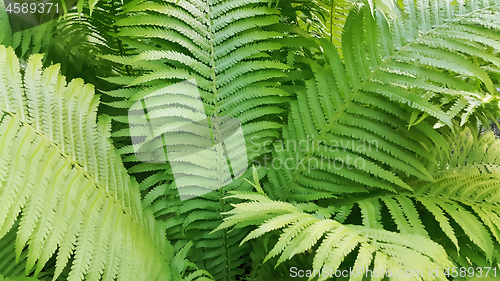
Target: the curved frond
pixel 466 189
pixel 62 179
pixel 358 125
pixel 377 250
pixel 459 209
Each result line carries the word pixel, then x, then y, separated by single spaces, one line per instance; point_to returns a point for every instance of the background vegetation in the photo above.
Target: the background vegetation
pixel 419 79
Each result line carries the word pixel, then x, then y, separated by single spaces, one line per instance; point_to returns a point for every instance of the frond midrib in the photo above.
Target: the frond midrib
pixel 73 162
pixel 457 169
pixel 221 191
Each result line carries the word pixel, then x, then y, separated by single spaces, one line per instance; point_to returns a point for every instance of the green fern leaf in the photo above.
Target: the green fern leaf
pixel 389 251
pixel 62 180
pixel 224 49
pixel 346 101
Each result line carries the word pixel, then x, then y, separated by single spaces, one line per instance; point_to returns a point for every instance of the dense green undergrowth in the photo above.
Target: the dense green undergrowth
pixel 355 135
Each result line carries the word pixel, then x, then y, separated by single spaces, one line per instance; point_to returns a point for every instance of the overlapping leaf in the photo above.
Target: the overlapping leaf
pixel 61 178
pixel 349 132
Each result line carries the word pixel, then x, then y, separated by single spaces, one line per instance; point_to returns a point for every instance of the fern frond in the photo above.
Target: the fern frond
pixel 389 76
pixel 202 70
pixel 466 189
pixel 388 251
pixel 8 265
pixel 463 200
pixel 62 179
pixel 73 40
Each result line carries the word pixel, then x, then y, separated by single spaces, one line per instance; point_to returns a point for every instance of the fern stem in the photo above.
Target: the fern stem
pixel 221 191
pixel 331 20
pixel 128 68
pixel 446 238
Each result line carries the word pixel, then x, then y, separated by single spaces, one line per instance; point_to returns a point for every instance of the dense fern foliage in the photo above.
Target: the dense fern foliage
pixel 463 206
pixel 225 49
pixel 342 130
pixel 251 139
pixel 73 192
